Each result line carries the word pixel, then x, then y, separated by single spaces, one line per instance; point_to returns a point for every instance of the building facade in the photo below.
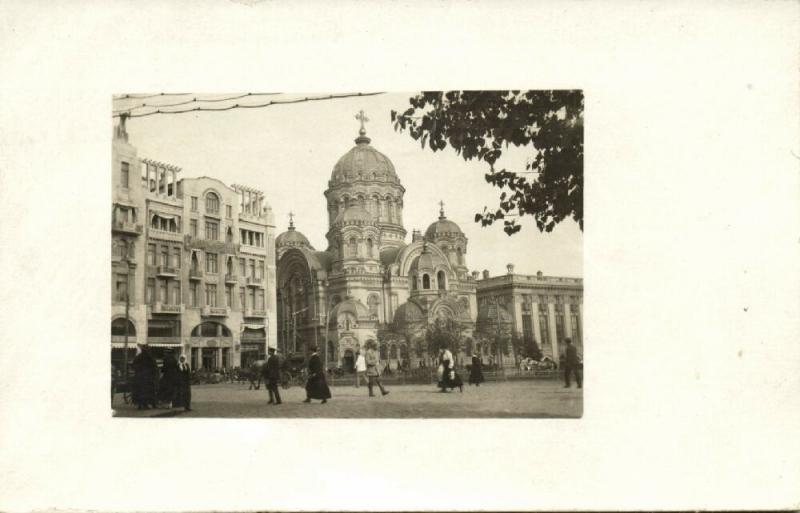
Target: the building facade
pixel 193 264
pixel 543 309
pixel 369 285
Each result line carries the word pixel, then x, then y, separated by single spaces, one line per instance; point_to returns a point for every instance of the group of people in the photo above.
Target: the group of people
pixel 171 386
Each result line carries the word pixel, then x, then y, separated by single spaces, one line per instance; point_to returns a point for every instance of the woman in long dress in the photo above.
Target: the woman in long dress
pixel 450 378
pixel 170 375
pixel 316 386
pixel 476 371
pixel 145 379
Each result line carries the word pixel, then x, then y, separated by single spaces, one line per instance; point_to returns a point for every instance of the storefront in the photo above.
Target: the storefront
pixel 253 344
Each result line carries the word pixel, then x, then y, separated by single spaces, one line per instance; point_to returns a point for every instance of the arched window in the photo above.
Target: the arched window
pixel 440 279
pixel 229 235
pixel 211 329
pixel 118 328
pixel 373 302
pixel 393 352
pixel 369 248
pixel 413 278
pixel 460 256
pixel 353 247
pixel 426 282
pixel 383 351
pixel 212 203
pixel 229 266
pixel 403 351
pixel 195 263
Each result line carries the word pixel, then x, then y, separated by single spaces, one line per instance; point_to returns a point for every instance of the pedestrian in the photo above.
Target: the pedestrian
pixel 572 364
pixel 316 386
pixel 373 374
pixel 145 380
pixel 168 386
pixel 361 369
pixel 273 375
pixel 450 379
pixel 184 395
pixel 476 371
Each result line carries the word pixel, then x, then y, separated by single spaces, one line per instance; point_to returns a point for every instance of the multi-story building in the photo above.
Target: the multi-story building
pixel 544 309
pixel 196 261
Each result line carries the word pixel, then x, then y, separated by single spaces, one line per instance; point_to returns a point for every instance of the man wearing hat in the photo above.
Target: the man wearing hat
pixel 273 375
pixel 572 364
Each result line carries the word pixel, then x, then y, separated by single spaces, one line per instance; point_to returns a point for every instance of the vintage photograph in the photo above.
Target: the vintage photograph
pixel 356 255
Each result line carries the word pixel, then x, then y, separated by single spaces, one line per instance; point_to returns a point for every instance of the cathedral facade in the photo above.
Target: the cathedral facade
pixel 369 286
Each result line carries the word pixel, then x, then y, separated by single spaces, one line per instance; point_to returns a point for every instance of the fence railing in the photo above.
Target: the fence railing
pixel 428 376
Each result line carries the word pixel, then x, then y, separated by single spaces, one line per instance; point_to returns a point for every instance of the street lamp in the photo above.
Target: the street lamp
pixel 127 316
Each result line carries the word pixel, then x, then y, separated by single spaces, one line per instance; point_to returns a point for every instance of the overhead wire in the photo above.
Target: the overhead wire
pixel 126 112
pixel 193 100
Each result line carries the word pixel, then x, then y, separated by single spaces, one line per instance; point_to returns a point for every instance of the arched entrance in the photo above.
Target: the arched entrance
pixel 349 361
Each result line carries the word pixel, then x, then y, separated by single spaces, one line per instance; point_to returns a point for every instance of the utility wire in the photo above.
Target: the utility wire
pixel 126 112
pixel 193 100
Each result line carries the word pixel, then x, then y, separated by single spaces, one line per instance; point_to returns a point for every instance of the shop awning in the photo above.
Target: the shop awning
pixel 132 345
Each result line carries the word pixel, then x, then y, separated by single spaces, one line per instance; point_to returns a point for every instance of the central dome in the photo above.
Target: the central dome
pixel 363 163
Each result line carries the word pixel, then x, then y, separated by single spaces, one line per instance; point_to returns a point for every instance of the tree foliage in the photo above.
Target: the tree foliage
pixel 443 334
pixel 481 124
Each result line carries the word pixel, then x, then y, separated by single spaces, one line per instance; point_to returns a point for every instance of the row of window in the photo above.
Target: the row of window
pixel 426 281
pixel 544 328
pixel 251 238
pixel 169 328
pixel 169 256
pixel 248 267
pixel 169 292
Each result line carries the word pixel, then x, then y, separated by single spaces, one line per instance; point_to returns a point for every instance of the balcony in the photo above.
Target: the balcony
pixel 215 311
pixel 165 270
pixel 195 274
pixel 164 308
pixel 249 312
pixel 126 227
pixel 230 278
pixel 252 281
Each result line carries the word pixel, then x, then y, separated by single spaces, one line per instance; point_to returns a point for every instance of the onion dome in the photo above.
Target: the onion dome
pixel 292 238
pixel 363 162
pixel 354 215
pixel 443 227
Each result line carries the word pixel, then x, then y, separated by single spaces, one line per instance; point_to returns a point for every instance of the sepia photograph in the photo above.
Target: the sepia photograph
pixel 378 255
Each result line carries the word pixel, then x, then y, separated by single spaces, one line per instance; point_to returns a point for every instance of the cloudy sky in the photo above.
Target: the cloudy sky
pixel 289 151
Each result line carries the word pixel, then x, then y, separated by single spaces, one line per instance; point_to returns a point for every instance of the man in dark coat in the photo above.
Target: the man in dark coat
pixel 476 371
pixel 272 374
pixel 316 386
pixel 168 386
pixel 145 380
pixel 184 394
pixel 572 364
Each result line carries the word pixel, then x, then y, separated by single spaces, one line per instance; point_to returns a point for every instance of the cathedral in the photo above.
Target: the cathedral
pixel 369 286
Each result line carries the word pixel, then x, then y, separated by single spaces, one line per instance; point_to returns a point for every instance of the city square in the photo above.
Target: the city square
pixel 357 260
pixel 545 398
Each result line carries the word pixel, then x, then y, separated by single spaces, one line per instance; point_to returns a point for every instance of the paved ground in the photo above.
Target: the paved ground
pixel 521 398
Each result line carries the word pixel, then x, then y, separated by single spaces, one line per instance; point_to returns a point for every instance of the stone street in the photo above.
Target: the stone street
pixel 518 398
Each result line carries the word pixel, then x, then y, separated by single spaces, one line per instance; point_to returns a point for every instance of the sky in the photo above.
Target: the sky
pixel 289 151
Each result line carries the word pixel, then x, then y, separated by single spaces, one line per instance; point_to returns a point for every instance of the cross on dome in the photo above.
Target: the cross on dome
pixel 363 119
pixel 291 220
pixel 441 209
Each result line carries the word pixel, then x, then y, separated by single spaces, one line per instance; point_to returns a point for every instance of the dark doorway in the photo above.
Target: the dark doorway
pixel 349 361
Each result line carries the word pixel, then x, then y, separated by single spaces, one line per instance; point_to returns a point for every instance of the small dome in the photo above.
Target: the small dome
pixel 407 314
pixel 363 162
pixel 354 214
pixel 427 260
pixel 292 238
pixel 442 227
